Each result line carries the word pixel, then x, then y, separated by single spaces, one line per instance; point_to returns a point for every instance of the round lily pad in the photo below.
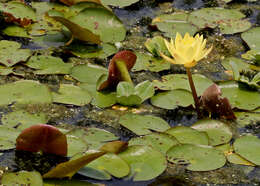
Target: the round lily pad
pixel 118 2
pixel 247 118
pixel 145 162
pixel 228 20
pixel 22 178
pixel 159 141
pixel 75 145
pixel 250 37
pixel 70 94
pixel 172 99
pixel 180 81
pixel 16 31
pixel 142 125
pixel 236 159
pixel 21 119
pixel 112 164
pixel 10 53
pixel 49 65
pixel 88 73
pixel 188 135
pixel 249 148
pixel 217 131
pixel 170 24
pixel 196 158
pixel 24 92
pixel 101 22
pixel 4 71
pixel 238 97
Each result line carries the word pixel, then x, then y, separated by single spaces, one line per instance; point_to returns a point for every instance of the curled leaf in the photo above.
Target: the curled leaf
pixel 215 104
pixel 42 137
pixel 117 73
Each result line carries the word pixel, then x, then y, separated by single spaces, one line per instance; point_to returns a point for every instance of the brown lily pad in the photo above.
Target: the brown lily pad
pixel 42 137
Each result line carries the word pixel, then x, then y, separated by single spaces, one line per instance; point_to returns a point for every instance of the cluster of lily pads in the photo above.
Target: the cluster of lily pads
pixel 55 25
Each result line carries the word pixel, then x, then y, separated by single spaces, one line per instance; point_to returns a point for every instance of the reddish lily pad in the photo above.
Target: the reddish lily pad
pixel 42 137
pixel 115 74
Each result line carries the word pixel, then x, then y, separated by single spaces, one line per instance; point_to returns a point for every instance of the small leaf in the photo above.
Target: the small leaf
pixel 22 178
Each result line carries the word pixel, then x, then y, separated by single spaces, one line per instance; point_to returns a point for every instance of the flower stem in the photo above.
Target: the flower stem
pixel 194 93
pixel 121 66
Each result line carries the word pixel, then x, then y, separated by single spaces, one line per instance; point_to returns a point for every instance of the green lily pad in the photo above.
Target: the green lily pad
pixel 240 64
pixel 197 158
pixel 170 24
pixel 172 99
pixel 8 137
pixel 18 10
pixel 144 90
pixel 4 71
pixel 126 94
pixel 112 164
pixel 147 62
pixel 188 135
pixel 70 94
pixel 94 173
pixel 180 81
pixel 145 162
pixel 156 45
pixel 238 97
pixel 76 145
pixel 236 159
pixel 228 20
pixel 21 119
pixel 249 148
pixel 104 99
pixel 88 73
pixel 87 51
pixel 142 125
pixel 49 65
pixel 24 92
pixel 16 31
pixel 159 141
pixel 250 37
pixel 101 22
pixel 247 118
pixel 10 53
pixel 217 131
pixel 119 2
pixel 22 178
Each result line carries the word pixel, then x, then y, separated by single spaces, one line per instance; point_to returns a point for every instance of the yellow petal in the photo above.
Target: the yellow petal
pixel 167 58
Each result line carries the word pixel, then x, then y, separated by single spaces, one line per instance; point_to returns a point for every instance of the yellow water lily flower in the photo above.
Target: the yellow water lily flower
pixel 186 51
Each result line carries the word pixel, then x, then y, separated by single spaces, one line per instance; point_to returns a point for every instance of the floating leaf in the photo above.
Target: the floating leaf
pixel 188 135
pixel 49 65
pixel 240 64
pixel 197 158
pixel 88 73
pixel 142 125
pixel 52 182
pixel 229 20
pixel 4 71
pixel 250 37
pixel 24 92
pixel 101 22
pixel 145 162
pixel 21 119
pixel 173 23
pixel 88 51
pixel 112 164
pixel 22 178
pixel 42 137
pixel 147 62
pixel 180 81
pixel 238 97
pixel 119 2
pixel 18 12
pixel 10 53
pixel 76 145
pixel 144 90
pixel 159 141
pixel 16 31
pixel 7 137
pixel 70 94
pixel 103 100
pixel 249 148
pixel 217 131
pixel 156 45
pixel 236 159
pixel 172 99
pixel 247 118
